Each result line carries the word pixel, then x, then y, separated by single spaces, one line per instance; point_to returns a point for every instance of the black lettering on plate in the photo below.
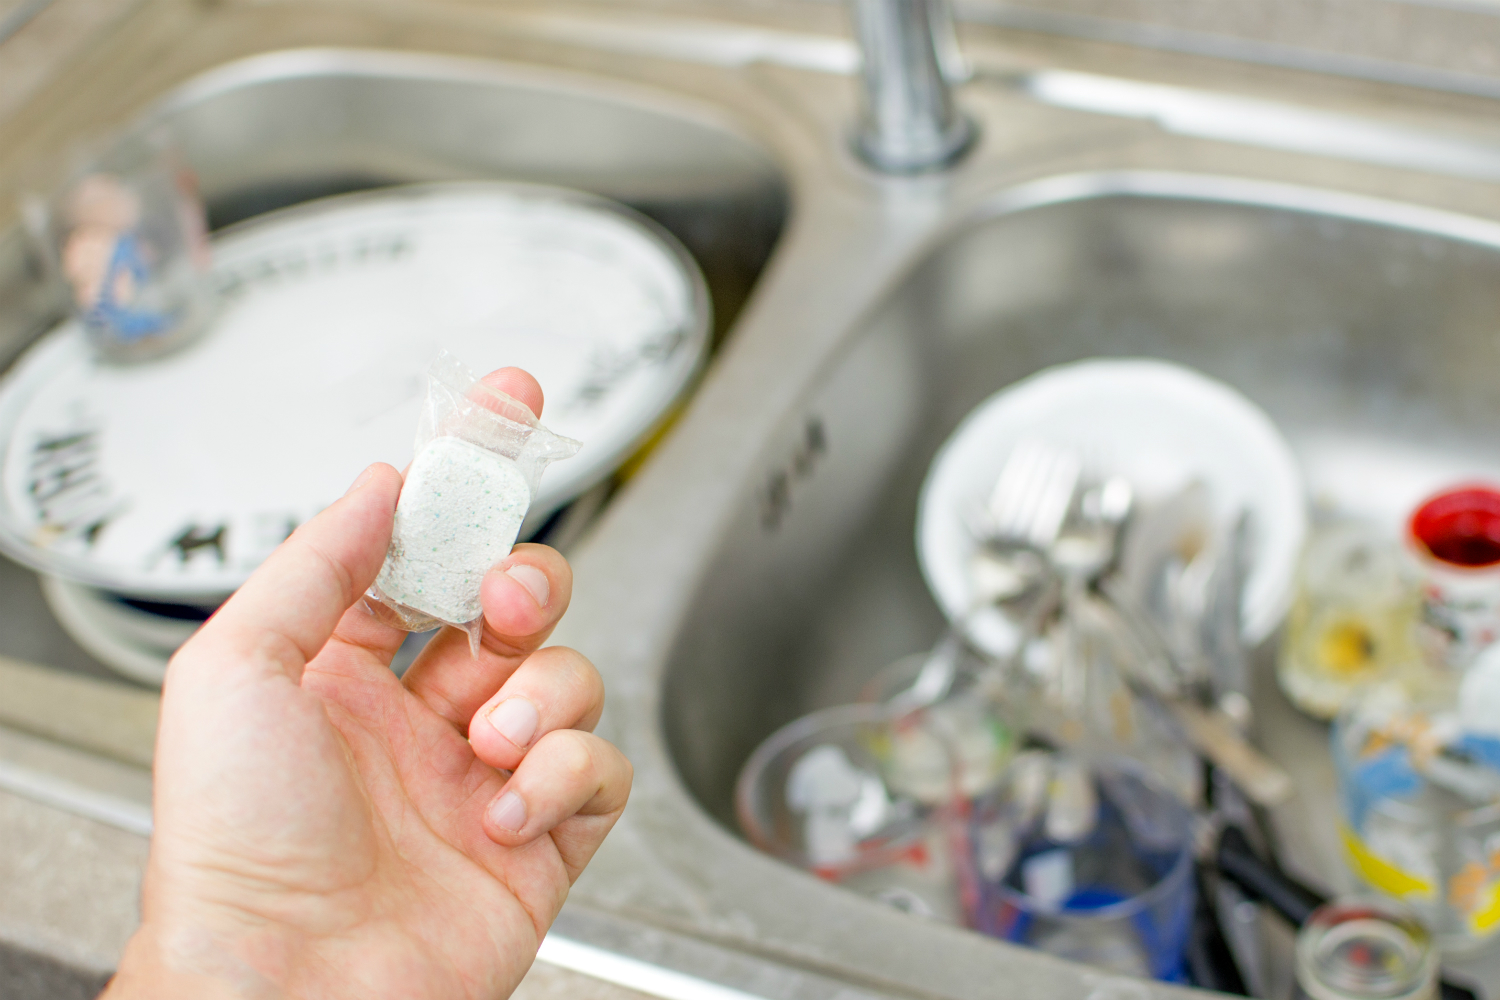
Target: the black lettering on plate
pixel 65 483
pixel 195 539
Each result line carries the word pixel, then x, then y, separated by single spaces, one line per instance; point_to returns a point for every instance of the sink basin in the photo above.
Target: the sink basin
pixel 1366 331
pixel 1364 328
pixel 272 130
pixel 284 127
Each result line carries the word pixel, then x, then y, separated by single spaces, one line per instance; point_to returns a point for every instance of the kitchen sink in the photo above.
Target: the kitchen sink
pixel 279 128
pixel 762 564
pixel 1365 328
pixel 1367 331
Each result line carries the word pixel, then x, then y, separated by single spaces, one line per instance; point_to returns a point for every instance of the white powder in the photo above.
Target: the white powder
pixel 458 515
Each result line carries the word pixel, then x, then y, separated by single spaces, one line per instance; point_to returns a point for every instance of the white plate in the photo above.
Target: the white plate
pixel 1158 424
pixel 197 464
pixel 128 641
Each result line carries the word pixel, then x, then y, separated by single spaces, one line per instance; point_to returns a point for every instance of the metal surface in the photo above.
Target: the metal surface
pixel 761 562
pixel 277 129
pixel 1364 328
pixel 15 13
pixel 908 119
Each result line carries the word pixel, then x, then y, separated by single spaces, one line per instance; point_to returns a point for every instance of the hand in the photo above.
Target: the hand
pixel 325 829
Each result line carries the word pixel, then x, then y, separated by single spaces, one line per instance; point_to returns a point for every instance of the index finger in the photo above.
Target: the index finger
pixel 284 614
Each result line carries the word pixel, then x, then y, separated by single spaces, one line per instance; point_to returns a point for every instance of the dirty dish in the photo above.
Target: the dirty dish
pixel 176 477
pixel 134 638
pixel 1160 426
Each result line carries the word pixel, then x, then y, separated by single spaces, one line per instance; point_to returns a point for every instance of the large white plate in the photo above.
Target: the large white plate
pixel 1158 424
pixel 178 476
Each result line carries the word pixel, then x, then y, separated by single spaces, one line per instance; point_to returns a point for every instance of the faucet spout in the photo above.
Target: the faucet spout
pixel 909 122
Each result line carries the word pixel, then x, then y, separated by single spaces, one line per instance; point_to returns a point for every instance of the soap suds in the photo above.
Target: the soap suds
pixel 458 515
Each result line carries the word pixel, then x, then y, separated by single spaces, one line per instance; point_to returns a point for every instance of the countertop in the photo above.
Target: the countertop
pixel 70 890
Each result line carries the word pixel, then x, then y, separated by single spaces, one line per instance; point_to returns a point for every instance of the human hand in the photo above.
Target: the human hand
pixel 325 829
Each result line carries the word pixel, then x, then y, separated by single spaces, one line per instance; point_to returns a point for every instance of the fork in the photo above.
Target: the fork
pixel 1020 521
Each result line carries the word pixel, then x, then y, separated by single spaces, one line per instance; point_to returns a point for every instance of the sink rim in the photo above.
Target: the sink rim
pixel 364 62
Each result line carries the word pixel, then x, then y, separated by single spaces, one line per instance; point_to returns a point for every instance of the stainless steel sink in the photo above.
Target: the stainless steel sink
pixel 762 563
pixel 1365 328
pixel 280 128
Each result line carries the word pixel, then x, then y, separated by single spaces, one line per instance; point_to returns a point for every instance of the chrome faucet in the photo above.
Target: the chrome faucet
pixel 908 119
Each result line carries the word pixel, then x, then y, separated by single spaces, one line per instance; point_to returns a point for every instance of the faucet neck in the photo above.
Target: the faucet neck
pixel 908 120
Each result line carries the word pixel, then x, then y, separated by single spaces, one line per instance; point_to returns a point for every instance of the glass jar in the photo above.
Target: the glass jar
pixel 128 236
pixel 1419 789
pixel 1455 538
pixel 1352 619
pixel 1365 949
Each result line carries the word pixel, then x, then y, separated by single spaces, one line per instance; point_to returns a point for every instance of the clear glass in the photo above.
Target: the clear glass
pixel 1420 810
pixel 859 795
pixel 1103 877
pixel 128 236
pixel 964 740
pixel 1090 694
pixel 1352 621
pixel 1365 949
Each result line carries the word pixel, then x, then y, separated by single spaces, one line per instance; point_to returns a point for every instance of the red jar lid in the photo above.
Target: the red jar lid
pixel 1461 526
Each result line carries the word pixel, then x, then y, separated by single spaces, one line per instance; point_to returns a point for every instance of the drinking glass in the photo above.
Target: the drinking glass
pixel 1114 890
pixel 1455 538
pixel 1420 810
pixel 1352 621
pixel 128 236
pixel 1365 949
pixel 858 795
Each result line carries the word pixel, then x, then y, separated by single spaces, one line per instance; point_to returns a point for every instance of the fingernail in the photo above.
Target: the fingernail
pixel 533 579
pixel 509 812
pixel 516 719
pixel 364 477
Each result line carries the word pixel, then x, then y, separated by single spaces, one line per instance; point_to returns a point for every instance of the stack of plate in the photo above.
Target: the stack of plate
pixel 150 488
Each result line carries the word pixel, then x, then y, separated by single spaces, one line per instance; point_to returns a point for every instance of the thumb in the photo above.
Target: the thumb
pixel 284 614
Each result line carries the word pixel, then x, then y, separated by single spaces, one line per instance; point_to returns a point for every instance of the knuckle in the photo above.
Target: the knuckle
pixel 573 759
pixel 570 673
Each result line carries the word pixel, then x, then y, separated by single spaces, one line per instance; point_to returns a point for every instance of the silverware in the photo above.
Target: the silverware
pixel 1016 527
